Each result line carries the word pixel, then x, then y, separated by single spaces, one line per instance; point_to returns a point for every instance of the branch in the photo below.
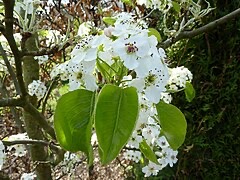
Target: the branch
pixel 10 69
pixel 11 102
pixel 42 52
pixel 31 141
pixel 40 119
pixel 8 33
pixel 208 27
pixel 53 83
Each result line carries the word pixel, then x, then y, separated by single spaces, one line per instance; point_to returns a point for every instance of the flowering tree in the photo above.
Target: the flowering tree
pixel 111 73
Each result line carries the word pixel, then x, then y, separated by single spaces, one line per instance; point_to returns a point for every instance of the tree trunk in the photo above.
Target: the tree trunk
pixel 38 153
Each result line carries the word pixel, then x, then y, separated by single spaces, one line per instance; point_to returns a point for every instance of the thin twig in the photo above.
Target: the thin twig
pixel 31 141
pixel 148 14
pixel 50 88
pixel 8 33
pixel 42 52
pixel 10 69
pixel 208 27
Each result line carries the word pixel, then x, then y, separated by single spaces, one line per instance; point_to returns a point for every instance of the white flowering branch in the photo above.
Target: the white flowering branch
pixel 208 27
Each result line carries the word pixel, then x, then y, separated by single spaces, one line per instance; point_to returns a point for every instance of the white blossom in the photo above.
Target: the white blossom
pixel 20 149
pixel 171 156
pixel 37 88
pixel 82 74
pixel 150 133
pixel 126 25
pixel 166 97
pixel 131 49
pixel 151 169
pixel 135 140
pixel 28 176
pixel 84 50
pixel 178 77
pixel 132 155
pixel 162 142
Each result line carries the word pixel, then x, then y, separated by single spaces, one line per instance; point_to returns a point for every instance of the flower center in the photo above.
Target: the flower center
pixel 79 75
pixel 131 48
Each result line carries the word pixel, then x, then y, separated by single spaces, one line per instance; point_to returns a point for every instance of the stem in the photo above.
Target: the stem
pixel 10 69
pixel 208 27
pixel 31 141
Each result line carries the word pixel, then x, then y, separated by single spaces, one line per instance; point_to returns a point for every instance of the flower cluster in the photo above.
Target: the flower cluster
pixel 148 130
pixel 125 55
pixel 37 88
pixel 20 149
pixel 125 46
pixel 178 78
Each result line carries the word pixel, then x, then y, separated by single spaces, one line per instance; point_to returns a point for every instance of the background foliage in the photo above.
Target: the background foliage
pixel 211 149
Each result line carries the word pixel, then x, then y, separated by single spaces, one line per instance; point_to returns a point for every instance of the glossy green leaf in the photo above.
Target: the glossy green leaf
pixel 148 152
pixel 109 20
pixel 173 124
pixel 115 118
pixel 176 6
pixel 73 120
pixel 189 92
pixel 155 33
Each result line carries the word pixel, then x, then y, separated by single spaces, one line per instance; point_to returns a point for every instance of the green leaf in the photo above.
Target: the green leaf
pixel 115 118
pixel 73 120
pixel 189 92
pixel 109 20
pixel 176 6
pixel 148 152
pixel 173 124
pixel 155 33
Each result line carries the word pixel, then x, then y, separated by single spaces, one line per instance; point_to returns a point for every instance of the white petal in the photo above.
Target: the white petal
pixel 78 57
pixel 143 68
pixel 90 82
pixel 73 84
pixel 88 66
pixel 153 94
pixel 91 54
pixel 138 83
pixel 130 61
